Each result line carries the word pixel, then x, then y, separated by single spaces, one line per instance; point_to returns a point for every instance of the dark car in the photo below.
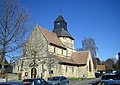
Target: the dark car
pixel 118 73
pixel 35 81
pixel 97 75
pixel 110 82
pixel 110 76
pixel 59 80
pixel 11 83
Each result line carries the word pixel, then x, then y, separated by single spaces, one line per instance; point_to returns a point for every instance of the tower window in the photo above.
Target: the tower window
pixel 58 23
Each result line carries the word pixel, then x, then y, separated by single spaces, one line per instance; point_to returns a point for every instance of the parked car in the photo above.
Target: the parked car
pixel 97 75
pixel 59 80
pixel 11 83
pixel 35 81
pixel 110 76
pixel 110 82
pixel 2 80
pixel 118 73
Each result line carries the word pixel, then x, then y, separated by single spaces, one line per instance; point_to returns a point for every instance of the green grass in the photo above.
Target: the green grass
pixel 75 78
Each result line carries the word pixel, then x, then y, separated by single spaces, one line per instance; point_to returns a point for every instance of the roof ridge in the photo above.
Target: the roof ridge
pixel 43 30
pixel 47 30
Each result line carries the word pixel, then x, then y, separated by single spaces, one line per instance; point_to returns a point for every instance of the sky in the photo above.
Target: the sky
pixel 98 19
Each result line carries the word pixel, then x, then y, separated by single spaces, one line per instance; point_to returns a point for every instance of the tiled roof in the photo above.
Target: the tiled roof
pixel 77 58
pixel 65 60
pixel 80 57
pixel 101 67
pixel 60 28
pixel 60 18
pixel 61 32
pixel 52 38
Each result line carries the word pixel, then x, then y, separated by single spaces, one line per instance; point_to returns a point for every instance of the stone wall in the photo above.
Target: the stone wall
pixel 13 76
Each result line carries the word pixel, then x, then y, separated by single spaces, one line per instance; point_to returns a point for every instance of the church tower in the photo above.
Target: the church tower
pixel 60 28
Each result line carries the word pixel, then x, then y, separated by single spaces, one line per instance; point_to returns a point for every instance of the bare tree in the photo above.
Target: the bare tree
pixel 89 44
pixel 116 63
pixel 51 63
pixel 13 21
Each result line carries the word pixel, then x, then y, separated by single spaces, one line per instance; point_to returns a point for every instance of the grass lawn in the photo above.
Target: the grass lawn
pixel 74 78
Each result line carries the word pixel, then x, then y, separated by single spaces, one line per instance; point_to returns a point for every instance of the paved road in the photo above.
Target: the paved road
pixel 85 82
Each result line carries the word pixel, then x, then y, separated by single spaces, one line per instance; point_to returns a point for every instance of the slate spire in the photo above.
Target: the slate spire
pixel 60 27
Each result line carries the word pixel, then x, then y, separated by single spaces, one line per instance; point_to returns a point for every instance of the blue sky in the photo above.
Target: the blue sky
pixel 99 19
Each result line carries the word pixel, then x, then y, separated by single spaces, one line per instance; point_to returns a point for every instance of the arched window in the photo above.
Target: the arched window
pixel 66 68
pixel 90 66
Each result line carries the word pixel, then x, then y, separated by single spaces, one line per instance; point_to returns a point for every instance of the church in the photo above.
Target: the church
pixel 48 54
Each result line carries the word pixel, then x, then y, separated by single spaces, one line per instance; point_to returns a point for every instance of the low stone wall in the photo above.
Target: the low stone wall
pixel 13 76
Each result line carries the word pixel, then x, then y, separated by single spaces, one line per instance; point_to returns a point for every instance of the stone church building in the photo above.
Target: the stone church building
pixel 49 54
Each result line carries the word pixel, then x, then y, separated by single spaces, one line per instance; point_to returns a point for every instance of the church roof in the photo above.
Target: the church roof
pixel 77 58
pixel 66 60
pixel 52 38
pixel 60 18
pixel 62 33
pixel 80 57
pixel 60 28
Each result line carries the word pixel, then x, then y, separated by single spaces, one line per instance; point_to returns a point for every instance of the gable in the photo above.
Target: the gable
pixel 52 38
pixel 36 43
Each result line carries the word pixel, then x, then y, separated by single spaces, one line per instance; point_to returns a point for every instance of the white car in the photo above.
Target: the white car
pixel 2 80
pixel 59 80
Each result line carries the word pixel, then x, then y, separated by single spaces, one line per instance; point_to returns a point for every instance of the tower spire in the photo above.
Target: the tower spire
pixel 60 23
pixel 60 27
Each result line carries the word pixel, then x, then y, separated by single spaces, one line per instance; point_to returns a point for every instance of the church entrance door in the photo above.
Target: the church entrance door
pixel 33 73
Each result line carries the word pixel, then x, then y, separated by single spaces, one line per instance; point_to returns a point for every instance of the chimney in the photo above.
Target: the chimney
pixel 119 59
